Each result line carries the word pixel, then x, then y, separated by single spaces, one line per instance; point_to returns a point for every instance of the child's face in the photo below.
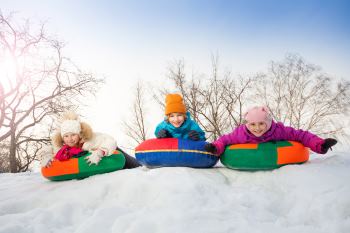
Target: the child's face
pixel 257 128
pixel 176 119
pixel 71 139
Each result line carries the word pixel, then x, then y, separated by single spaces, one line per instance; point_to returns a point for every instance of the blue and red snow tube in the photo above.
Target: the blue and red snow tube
pixel 174 152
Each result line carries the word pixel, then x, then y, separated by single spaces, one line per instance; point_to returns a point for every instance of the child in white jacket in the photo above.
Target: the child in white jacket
pixel 99 144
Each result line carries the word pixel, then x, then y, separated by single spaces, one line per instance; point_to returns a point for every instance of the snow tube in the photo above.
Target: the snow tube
pixel 77 168
pixel 174 152
pixel 264 156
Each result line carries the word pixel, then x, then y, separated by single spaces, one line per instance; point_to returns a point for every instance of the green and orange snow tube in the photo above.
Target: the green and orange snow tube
pixel 78 168
pixel 264 156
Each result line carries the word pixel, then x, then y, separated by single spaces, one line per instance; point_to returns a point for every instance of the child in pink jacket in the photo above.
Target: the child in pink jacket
pixel 260 127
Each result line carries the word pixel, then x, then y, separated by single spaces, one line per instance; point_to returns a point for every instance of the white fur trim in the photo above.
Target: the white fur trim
pixel 70 126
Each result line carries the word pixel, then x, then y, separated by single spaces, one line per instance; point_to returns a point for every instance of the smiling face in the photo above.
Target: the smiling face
pixel 71 139
pixel 257 128
pixel 176 119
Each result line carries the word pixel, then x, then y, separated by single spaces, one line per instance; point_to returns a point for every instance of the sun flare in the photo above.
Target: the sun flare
pixel 8 70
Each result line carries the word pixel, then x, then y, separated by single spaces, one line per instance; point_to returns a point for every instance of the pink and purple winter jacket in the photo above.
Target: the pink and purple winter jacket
pixel 277 132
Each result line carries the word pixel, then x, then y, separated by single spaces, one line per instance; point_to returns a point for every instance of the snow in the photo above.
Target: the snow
pixel 313 197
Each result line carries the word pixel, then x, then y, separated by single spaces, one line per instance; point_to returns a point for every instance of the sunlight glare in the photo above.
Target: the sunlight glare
pixel 7 70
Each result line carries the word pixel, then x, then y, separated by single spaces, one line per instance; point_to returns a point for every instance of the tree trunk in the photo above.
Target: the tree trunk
pixel 13 163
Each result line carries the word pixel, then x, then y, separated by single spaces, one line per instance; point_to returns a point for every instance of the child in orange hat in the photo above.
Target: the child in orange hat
pixel 178 122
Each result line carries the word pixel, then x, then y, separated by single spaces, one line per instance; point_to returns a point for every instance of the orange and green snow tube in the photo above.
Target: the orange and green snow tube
pixel 264 156
pixel 78 168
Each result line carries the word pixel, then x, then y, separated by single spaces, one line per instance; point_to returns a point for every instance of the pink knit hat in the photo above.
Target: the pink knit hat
pixel 258 114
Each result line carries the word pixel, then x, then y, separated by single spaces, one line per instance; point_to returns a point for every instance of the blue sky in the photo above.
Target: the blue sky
pixel 130 40
pixel 246 34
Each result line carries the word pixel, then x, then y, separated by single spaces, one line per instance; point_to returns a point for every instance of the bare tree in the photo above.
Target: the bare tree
pixel 41 84
pixel 216 102
pixel 300 95
pixel 135 127
pixel 4 160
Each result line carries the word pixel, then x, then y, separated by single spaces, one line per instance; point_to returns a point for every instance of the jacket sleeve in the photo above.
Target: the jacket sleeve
pixel 101 141
pixel 226 140
pixel 159 127
pixel 108 144
pixel 307 138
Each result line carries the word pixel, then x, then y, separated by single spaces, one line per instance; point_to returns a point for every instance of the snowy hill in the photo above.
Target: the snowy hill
pixel 313 197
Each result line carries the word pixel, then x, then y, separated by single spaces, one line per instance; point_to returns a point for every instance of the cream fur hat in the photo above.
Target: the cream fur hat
pixel 70 123
pixel 70 126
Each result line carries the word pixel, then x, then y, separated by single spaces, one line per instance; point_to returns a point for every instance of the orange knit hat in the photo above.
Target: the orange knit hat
pixel 174 103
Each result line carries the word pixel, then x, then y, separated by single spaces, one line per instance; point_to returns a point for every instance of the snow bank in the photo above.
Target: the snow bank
pixel 313 197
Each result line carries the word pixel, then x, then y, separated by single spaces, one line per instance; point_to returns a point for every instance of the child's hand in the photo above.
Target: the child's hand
pixel 46 155
pixel 193 135
pixel 163 134
pixel 46 163
pixel 210 147
pixel 95 157
pixel 328 143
